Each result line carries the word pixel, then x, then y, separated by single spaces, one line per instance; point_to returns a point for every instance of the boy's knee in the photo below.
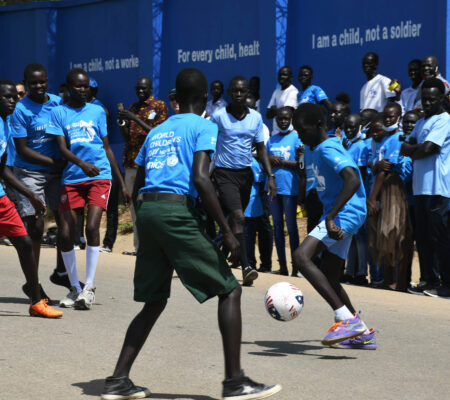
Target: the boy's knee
pixel 238 217
pixel 300 257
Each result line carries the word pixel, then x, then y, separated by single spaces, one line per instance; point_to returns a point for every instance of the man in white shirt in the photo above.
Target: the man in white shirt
pixel 375 93
pixel 286 96
pixel 409 95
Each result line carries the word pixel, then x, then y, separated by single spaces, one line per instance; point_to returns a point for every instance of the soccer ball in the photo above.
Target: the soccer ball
pixel 284 301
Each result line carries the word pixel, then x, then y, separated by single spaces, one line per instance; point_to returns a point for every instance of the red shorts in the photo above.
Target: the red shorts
pixel 92 193
pixel 10 223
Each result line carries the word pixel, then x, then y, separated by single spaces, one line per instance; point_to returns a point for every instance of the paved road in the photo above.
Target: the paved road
pixel 69 358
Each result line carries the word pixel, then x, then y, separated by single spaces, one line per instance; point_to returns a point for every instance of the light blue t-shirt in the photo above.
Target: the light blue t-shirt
pixel 432 174
pixel 329 159
pixel 235 138
pixel 286 179
pixel 30 120
pixel 84 128
pixel 401 165
pixel 255 207
pixel 312 94
pixel 168 153
pixel 3 145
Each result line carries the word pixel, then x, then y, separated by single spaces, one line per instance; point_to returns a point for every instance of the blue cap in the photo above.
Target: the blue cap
pixel 93 83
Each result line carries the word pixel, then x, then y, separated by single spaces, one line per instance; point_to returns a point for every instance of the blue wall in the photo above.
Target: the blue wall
pixel 337 66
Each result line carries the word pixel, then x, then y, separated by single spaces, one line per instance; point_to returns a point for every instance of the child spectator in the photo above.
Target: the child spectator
pixel 286 96
pixel 310 93
pixel 282 154
pixel 409 121
pixel 356 269
pixel 81 134
pixel 390 234
pixel 217 102
pixel 337 116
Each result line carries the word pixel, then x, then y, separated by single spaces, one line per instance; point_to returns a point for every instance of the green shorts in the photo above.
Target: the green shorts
pixel 171 237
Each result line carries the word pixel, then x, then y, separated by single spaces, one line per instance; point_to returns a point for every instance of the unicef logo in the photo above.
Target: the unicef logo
pixel 172 161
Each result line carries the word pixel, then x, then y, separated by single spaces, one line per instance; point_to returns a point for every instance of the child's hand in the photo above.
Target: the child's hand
pixel 39 206
pixel 384 165
pixel 334 231
pixel 372 208
pixel 90 169
pixel 275 161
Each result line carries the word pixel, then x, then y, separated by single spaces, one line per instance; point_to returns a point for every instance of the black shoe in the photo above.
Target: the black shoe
pixel 360 280
pixel 442 291
pixel 243 388
pixel 27 292
pixel 248 276
pixel 123 388
pixel 62 280
pixel 264 270
pixel 281 271
pixel 346 279
pixel 421 286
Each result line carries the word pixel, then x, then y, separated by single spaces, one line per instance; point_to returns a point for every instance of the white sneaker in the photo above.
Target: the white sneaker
pixel 85 298
pixel 69 300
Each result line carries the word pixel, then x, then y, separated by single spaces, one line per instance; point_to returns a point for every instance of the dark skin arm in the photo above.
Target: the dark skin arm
pixel 139 182
pixel 116 171
pixel 349 188
pixel 210 201
pixel 327 103
pixel 128 115
pixel 382 165
pixel 33 156
pixel 264 160
pixel 419 151
pixel 302 187
pixel 11 179
pixel 372 200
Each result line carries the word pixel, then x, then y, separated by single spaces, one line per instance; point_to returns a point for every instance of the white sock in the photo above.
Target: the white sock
pixel 365 326
pixel 70 262
pixel 92 253
pixel 342 313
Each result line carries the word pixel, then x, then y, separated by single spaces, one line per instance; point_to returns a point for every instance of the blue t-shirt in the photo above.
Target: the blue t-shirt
pixel 30 120
pixel 312 94
pixel 401 165
pixel 235 138
pixel 255 207
pixel 168 153
pixel 84 128
pixel 309 172
pixel 3 145
pixel 10 146
pixel 329 159
pixel 432 174
pixel 359 153
pixel 97 102
pixel 286 179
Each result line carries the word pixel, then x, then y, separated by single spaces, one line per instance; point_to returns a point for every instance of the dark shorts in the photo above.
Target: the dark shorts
pixel 171 238
pixel 234 187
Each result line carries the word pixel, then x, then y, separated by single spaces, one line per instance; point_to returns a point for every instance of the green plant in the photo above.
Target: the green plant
pixel 126 227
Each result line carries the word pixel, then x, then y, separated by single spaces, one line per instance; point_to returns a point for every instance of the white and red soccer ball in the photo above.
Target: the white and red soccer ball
pixel 284 301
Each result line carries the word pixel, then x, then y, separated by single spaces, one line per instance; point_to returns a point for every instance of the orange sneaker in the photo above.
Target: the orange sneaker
pixel 42 309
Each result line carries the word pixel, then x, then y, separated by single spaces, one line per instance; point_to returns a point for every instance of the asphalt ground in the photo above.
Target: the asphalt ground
pixel 182 359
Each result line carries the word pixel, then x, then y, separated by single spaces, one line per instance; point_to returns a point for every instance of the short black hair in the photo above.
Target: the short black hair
pixel 434 83
pixel 191 86
pixel 286 67
pixel 238 78
pixel 413 112
pixel 219 82
pixel 346 106
pixel 343 97
pixel 310 114
pixel 33 67
pixel 73 72
pixel 286 108
pixel 378 119
pixel 415 61
pixel 393 104
pixel 373 55
pixel 7 82
pixel 306 67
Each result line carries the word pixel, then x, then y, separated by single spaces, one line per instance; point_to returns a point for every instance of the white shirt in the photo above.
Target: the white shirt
pixel 211 107
pixel 283 98
pixel 374 93
pixel 409 98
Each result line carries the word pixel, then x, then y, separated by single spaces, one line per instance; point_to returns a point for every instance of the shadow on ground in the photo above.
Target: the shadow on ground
pixel 95 388
pixel 283 349
pixel 14 300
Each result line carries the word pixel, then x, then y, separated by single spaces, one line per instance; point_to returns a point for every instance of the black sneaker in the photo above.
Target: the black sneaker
pixel 62 280
pixel 248 276
pixel 442 291
pixel 122 388
pixel 421 286
pixel 44 295
pixel 243 388
pixel 360 280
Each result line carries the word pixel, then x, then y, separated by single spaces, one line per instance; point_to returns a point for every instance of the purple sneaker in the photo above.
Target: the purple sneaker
pixel 342 330
pixel 366 341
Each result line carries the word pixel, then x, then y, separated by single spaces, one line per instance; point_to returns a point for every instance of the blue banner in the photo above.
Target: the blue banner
pixel 332 37
pixel 221 38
